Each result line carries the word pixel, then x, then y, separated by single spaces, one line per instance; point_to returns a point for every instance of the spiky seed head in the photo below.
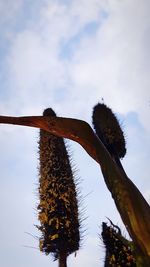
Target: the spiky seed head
pixel 108 129
pixel 58 207
pixel 117 251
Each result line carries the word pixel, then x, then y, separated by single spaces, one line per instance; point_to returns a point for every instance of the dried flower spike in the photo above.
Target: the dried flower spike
pixel 108 130
pixel 118 253
pixel 58 209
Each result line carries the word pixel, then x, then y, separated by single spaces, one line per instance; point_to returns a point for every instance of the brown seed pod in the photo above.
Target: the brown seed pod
pixel 58 207
pixel 118 253
pixel 108 130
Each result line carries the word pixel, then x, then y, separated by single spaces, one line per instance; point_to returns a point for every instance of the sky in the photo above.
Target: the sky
pixel 69 55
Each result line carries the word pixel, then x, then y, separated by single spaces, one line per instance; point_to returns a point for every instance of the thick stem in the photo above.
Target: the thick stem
pixel 133 208
pixel 76 130
pixel 62 259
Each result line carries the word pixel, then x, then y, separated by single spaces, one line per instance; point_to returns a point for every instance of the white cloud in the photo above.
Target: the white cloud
pixel 85 257
pixel 36 71
pixel 113 63
pixel 8 12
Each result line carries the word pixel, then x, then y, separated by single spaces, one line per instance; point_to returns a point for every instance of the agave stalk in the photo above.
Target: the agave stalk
pixel 133 208
pixel 58 205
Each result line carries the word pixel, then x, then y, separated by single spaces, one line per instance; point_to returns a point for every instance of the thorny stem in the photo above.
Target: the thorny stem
pixel 133 208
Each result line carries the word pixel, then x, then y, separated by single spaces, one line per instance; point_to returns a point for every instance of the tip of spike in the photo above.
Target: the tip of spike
pixel 49 112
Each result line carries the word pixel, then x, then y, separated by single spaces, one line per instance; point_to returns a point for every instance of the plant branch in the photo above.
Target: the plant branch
pixel 133 208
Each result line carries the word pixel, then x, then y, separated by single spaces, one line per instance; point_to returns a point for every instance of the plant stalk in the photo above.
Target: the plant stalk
pixel 133 208
pixel 62 259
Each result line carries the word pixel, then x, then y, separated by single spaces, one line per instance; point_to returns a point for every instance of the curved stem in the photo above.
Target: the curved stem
pixel 133 208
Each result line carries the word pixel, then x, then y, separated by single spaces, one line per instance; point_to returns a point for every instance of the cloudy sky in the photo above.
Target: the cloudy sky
pixel 68 55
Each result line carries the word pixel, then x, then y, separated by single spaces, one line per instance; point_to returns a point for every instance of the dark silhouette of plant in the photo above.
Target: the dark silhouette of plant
pixel 133 208
pixel 108 130
pixel 118 249
pixel 58 208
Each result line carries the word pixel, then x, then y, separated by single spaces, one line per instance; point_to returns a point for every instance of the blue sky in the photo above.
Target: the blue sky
pixel 68 55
